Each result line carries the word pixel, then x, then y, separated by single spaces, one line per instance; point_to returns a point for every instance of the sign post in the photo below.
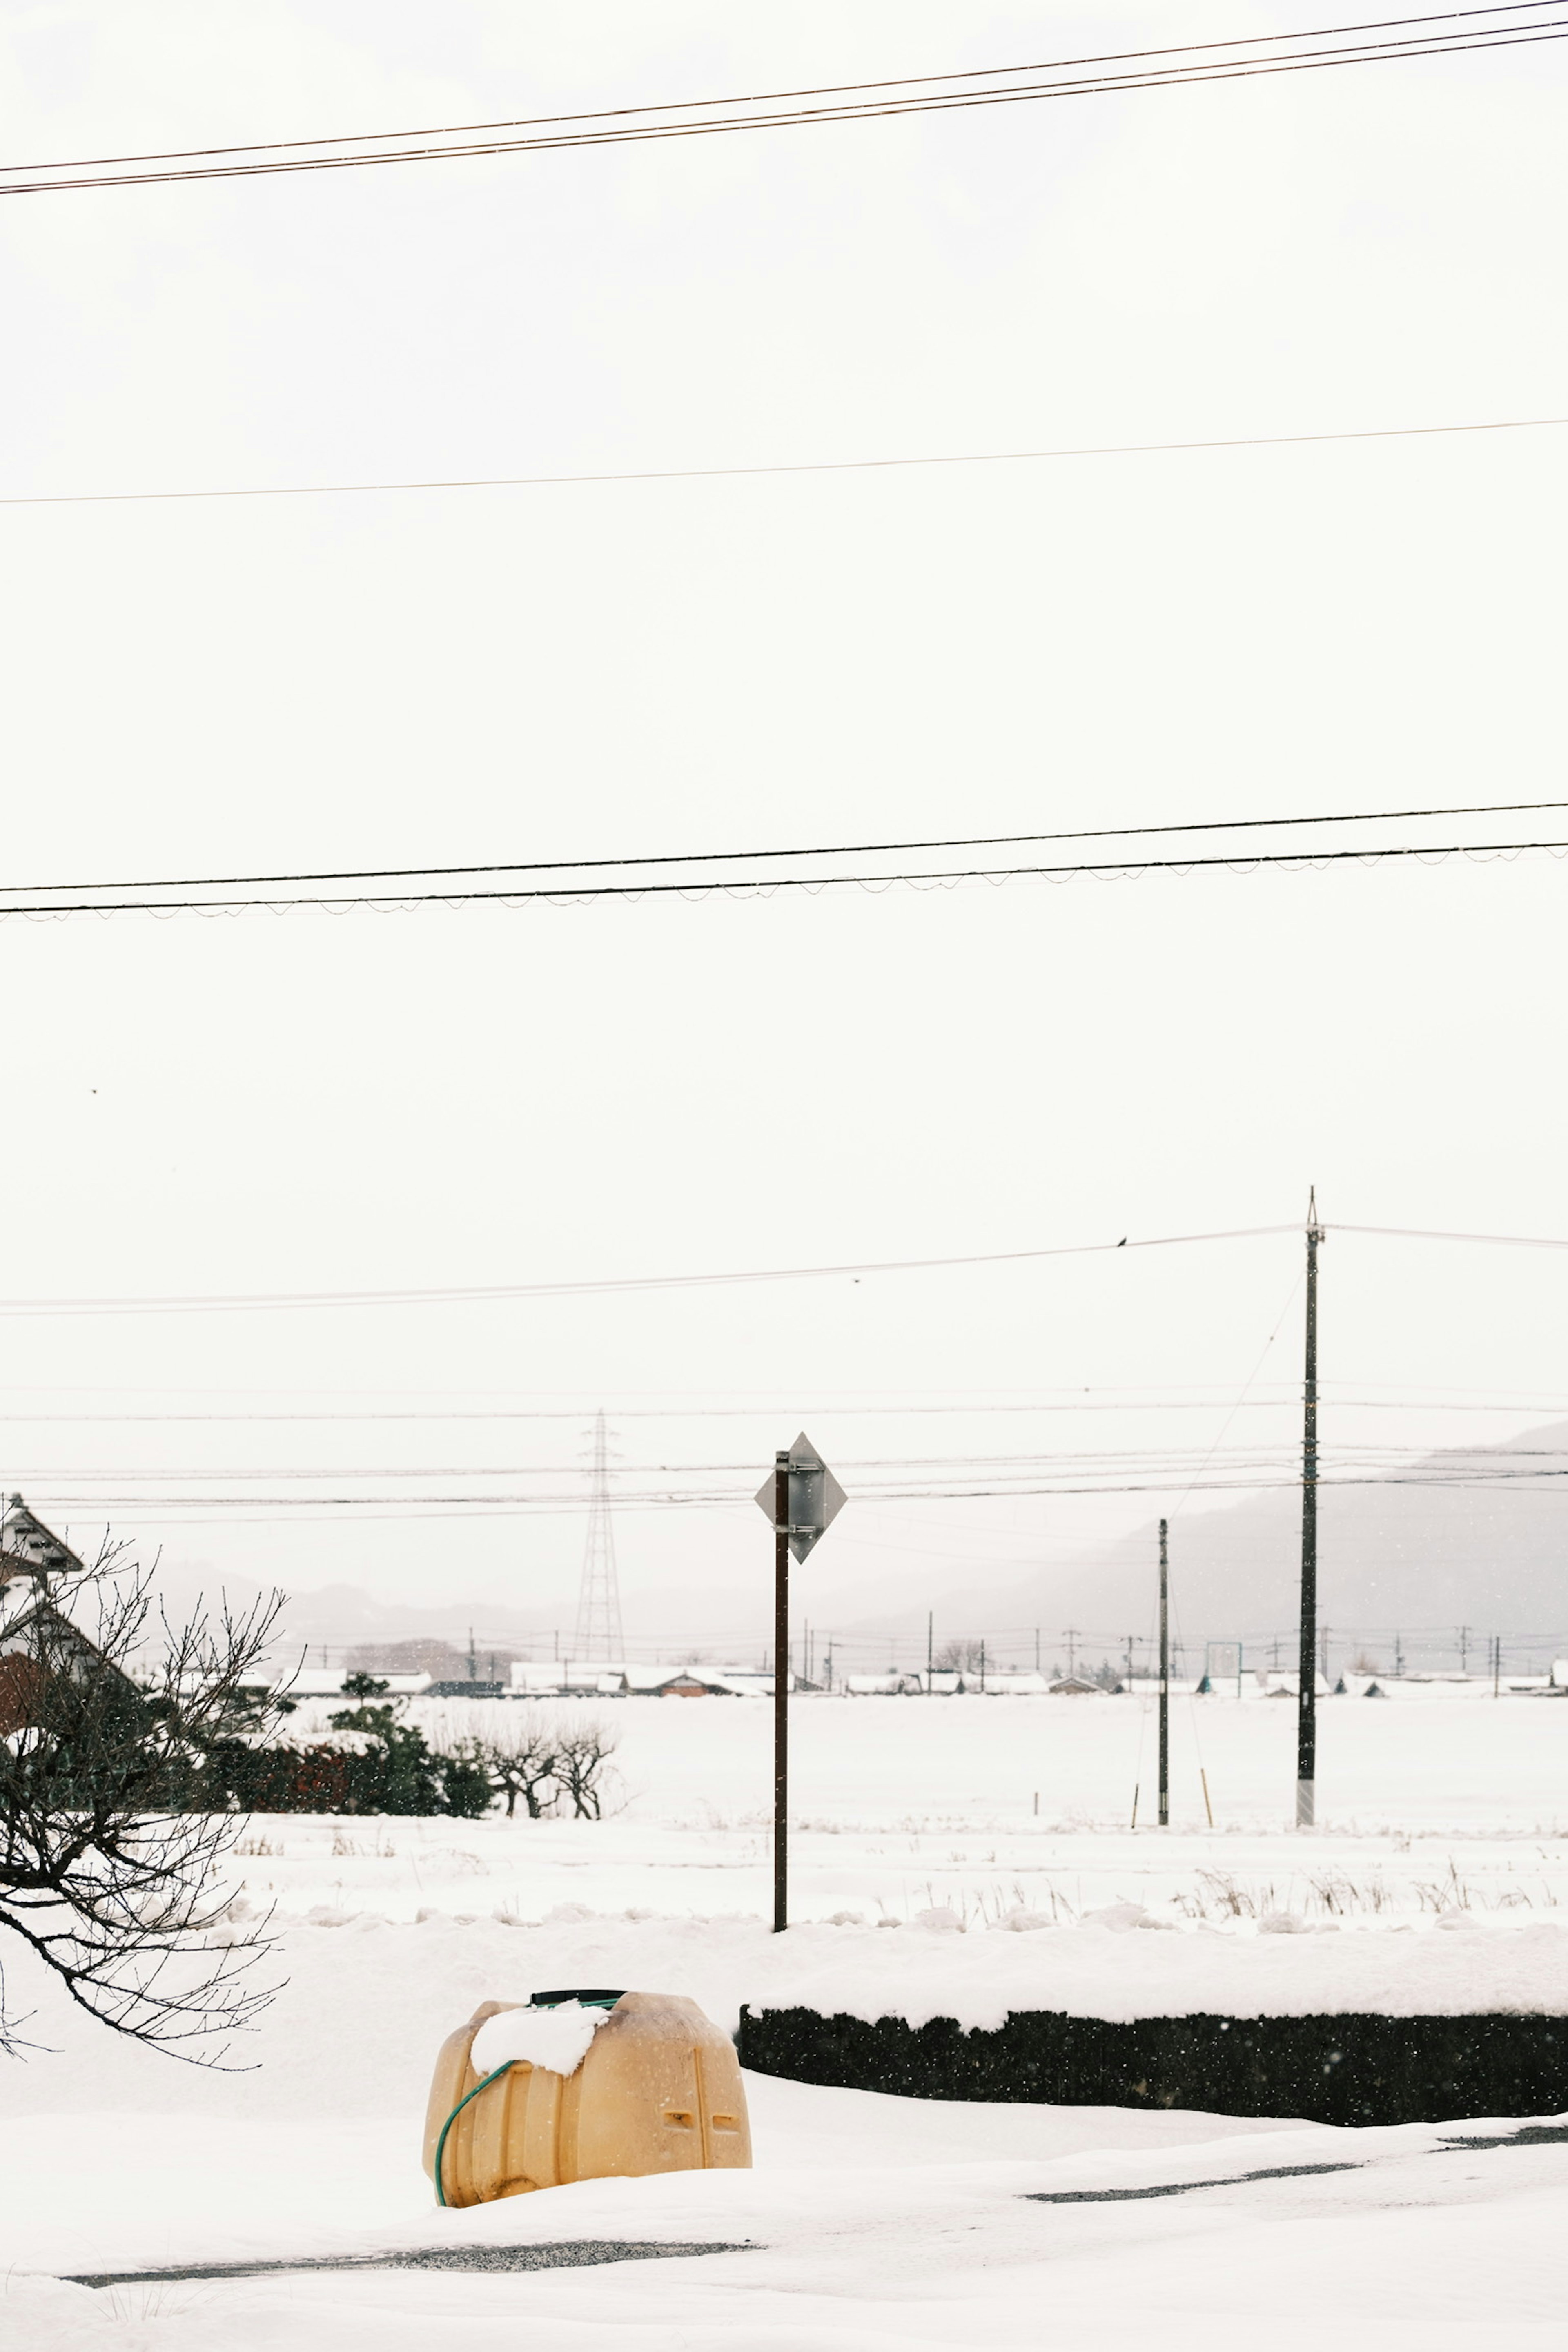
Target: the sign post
pixel 802 1499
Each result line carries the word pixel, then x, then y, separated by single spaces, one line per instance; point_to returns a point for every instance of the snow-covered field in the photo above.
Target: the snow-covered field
pixel 1440 1882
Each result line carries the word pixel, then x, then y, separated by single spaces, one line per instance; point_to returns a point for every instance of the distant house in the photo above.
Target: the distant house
pixel 575 1678
pixel 327 1682
pixel 612 1678
pixel 38 1642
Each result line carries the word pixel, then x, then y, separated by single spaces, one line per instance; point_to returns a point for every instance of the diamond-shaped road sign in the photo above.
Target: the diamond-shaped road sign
pixel 815 1496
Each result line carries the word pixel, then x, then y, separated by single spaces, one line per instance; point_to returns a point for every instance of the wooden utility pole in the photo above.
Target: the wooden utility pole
pixel 1164 1678
pixel 1307 1684
pixel 781 1691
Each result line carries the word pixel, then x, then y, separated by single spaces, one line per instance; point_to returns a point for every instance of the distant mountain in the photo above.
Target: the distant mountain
pixel 340 1617
pixel 335 1616
pixel 1418 1560
pixel 1393 1558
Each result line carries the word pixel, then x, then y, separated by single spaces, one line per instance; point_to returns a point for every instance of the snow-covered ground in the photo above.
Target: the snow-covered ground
pixel 1440 1884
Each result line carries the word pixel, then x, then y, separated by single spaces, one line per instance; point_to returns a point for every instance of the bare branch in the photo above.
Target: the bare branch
pixel 111 1866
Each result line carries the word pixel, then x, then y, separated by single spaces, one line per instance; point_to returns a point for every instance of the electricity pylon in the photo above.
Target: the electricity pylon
pixel 599 1633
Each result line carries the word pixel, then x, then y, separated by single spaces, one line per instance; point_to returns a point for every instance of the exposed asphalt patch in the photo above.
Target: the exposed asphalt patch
pixel 571 2253
pixel 1528 2135
pixel 1178 2188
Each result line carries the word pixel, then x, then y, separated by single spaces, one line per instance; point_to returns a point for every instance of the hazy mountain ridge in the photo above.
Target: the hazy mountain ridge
pixel 1393 1558
pixel 1390 1558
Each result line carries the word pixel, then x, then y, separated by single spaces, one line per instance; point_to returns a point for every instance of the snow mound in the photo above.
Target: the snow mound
pixel 943 1920
pixel 556 2039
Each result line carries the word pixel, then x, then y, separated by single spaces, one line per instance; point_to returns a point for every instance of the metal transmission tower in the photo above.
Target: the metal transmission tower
pixel 599 1633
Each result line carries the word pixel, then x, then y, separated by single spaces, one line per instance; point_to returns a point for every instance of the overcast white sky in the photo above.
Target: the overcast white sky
pixel 468 1097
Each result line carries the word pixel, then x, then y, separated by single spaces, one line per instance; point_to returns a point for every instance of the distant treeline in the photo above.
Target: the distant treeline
pixel 387 1766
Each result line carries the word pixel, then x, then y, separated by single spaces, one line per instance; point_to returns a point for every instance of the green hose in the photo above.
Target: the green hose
pixel 456 2110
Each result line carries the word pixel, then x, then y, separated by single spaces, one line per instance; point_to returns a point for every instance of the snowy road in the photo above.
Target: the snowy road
pixel 868 2221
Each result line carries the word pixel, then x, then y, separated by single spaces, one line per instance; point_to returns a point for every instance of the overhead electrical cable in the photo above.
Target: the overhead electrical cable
pixel 1495 1241
pixel 611 1286
pixel 1176 1459
pixel 565 894
pixel 1290 1405
pixel 774 97
pixel 1252 55
pixel 607 1285
pixel 807 849
pixel 735 1498
pixel 819 466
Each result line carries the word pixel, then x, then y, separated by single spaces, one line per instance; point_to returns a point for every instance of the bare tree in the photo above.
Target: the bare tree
pixel 110 1861
pixel 517 1751
pixel 962 1657
pixel 583 1747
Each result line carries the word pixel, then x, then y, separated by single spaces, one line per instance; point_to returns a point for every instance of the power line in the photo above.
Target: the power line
pixel 574 894
pixel 770 97
pixel 1169 1456
pixel 823 466
pixel 612 1286
pixel 760 1412
pixel 809 849
pixel 606 1286
pixel 1410 1234
pixel 547 1505
pixel 849 102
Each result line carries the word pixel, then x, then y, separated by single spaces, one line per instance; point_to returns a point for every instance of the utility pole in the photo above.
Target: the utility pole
pixel 781 1691
pixel 1497 1665
pixel 1071 1639
pixel 930 1637
pixel 1164 1678
pixel 801 1500
pixel 1037 1649
pixel 1464 1649
pixel 1307 1682
pixel 1130 1662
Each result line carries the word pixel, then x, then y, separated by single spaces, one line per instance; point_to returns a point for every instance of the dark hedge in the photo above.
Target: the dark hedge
pixel 1352 2069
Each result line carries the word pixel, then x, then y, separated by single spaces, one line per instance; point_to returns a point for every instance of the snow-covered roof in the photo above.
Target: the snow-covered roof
pixel 29 1547
pixel 560 1677
pixel 327 1682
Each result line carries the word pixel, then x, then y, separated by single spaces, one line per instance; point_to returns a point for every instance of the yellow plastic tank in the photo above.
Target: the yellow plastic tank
pixel 659 2091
